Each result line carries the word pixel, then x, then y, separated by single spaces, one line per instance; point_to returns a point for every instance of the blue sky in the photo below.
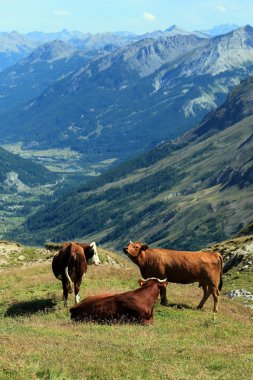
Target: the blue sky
pixel 138 16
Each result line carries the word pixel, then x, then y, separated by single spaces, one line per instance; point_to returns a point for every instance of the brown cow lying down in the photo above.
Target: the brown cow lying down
pixel 135 305
pixel 183 267
pixel 70 264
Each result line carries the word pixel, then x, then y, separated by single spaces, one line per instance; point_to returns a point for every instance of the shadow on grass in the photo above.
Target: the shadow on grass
pixel 180 306
pixel 31 307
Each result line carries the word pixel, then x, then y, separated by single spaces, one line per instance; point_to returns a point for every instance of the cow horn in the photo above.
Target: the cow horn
pixel 130 241
pixel 154 278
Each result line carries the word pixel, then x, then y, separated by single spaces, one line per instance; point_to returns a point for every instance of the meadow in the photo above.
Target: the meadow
pixel 39 341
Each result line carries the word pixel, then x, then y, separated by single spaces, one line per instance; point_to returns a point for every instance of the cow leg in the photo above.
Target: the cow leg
pixel 66 285
pixel 216 296
pixel 77 289
pixel 148 321
pixel 207 293
pixel 163 296
pixel 65 293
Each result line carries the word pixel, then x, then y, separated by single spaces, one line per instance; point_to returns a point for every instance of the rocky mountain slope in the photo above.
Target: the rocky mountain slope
pixel 247 230
pixel 185 193
pixel 28 78
pixel 28 172
pixel 132 99
pixel 13 47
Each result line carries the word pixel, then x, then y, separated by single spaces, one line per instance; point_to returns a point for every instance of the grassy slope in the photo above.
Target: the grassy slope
pixel 39 341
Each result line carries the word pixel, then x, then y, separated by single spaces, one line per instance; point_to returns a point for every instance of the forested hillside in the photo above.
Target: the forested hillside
pixel 185 193
pixel 28 172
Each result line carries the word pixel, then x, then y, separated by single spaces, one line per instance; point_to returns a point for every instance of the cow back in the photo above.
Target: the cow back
pixel 179 266
pixel 71 255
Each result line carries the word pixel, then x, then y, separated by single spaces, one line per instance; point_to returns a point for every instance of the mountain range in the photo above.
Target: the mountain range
pixel 185 193
pixel 126 101
pixel 30 76
pixel 13 47
pixel 113 97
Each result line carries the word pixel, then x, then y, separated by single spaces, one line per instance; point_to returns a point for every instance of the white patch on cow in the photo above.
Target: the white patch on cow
pixel 77 298
pixel 95 259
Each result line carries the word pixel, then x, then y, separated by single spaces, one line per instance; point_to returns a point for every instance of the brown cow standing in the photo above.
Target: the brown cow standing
pixel 135 305
pixel 70 264
pixel 183 267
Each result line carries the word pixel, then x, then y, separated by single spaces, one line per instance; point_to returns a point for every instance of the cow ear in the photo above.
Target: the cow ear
pixel 144 247
pixel 140 281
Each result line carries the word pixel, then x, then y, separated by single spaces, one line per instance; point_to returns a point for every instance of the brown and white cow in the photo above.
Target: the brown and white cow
pixel 183 267
pixel 70 264
pixel 135 305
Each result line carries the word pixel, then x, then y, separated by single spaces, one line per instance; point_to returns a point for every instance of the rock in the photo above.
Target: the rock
pixel 21 258
pixel 240 293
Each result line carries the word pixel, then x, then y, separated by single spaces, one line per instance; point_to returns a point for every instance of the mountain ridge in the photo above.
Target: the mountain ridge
pixel 119 97
pixel 184 193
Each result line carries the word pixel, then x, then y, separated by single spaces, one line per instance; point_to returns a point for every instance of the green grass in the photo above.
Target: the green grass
pixel 39 341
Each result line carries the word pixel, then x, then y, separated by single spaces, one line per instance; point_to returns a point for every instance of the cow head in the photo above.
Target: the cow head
pixel 93 259
pixel 134 249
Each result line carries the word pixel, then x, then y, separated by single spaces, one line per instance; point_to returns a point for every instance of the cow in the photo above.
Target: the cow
pixel 132 306
pixel 183 267
pixel 70 264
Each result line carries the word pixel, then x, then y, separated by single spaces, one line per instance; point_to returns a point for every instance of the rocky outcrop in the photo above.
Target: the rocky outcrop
pixel 237 252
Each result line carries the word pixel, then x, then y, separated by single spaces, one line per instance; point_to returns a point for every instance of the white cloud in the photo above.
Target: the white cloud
pixel 221 8
pixel 61 12
pixel 149 16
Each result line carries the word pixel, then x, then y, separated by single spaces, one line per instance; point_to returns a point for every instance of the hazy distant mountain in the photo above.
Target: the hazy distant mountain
pixel 222 29
pixel 184 194
pixel 28 78
pixel 173 30
pixel 106 101
pixel 13 47
pixel 141 94
pixel 63 35
pixel 85 41
pixel 52 51
pixel 99 41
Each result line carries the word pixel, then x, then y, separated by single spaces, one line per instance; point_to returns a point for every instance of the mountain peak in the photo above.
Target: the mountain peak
pixel 175 29
pixel 51 50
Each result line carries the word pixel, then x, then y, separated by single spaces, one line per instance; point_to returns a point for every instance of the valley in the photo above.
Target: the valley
pixel 63 160
pixel 69 169
pixel 130 136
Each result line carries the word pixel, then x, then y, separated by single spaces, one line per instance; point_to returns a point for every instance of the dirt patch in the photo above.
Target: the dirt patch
pixel 7 248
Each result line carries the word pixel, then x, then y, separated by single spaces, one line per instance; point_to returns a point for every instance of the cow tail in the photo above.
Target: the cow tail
pixel 221 272
pixel 66 269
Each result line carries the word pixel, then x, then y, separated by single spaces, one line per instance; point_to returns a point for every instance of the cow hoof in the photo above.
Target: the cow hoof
pixel 164 302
